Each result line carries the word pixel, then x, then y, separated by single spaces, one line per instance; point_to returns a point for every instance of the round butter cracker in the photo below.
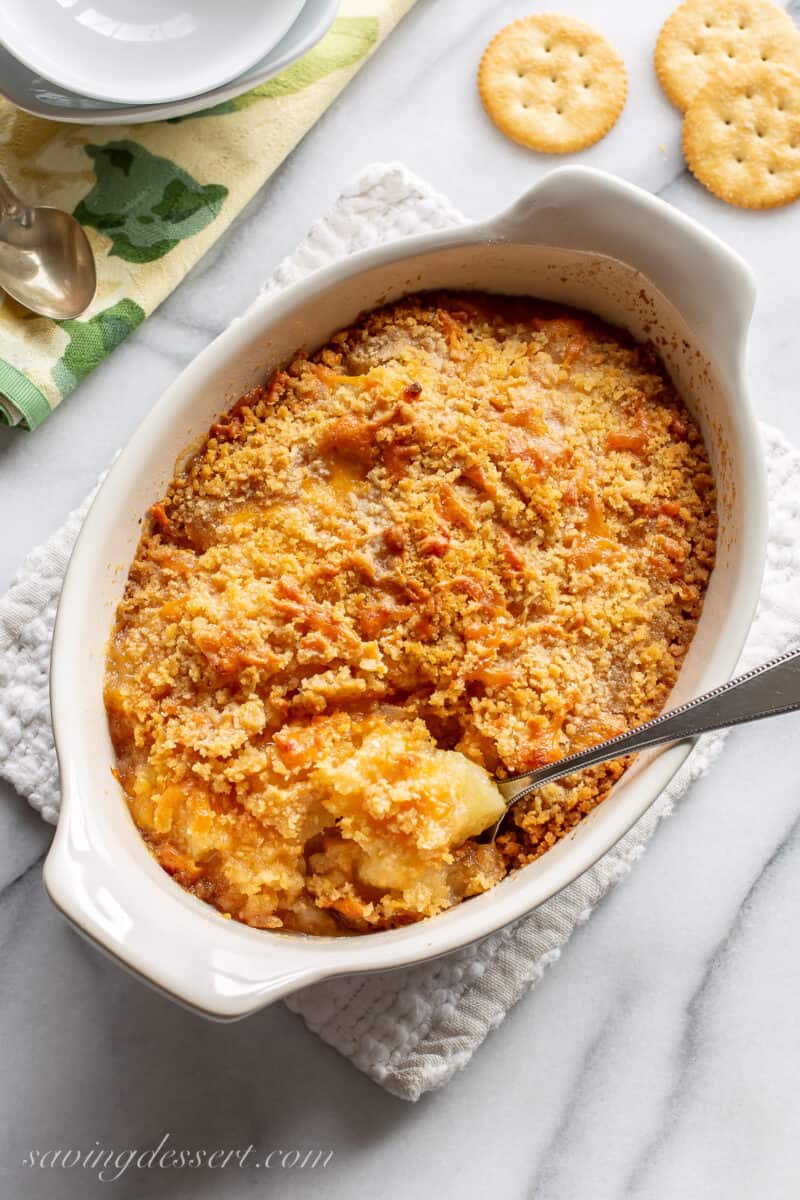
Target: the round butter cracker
pixel 741 136
pixel 552 83
pixel 704 38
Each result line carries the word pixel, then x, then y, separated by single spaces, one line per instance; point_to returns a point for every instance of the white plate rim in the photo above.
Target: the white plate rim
pixel 26 54
pixel 311 26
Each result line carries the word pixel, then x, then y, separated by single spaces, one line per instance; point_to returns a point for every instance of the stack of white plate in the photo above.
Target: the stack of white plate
pixel 113 62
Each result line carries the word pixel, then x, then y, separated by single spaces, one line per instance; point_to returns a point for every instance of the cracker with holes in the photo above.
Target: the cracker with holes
pixel 552 83
pixel 704 38
pixel 741 136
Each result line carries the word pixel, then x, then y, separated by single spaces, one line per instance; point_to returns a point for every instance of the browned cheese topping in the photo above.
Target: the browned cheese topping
pixel 471 534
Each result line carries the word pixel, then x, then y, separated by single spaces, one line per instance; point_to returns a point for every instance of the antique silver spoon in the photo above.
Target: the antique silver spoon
pixel 46 262
pixel 766 691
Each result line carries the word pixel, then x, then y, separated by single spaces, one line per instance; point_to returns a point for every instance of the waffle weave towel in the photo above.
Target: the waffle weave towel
pixel 408 1030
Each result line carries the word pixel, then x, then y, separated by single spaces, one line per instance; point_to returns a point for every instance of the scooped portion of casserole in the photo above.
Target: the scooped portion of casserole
pixel 468 536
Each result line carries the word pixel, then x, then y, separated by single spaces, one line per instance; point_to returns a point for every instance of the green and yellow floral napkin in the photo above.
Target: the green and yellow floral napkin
pixel 153 198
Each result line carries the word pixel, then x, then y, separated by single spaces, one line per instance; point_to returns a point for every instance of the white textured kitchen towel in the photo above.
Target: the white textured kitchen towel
pixel 408 1030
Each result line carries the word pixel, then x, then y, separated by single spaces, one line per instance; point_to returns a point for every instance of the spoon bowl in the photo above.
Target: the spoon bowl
pixel 46 261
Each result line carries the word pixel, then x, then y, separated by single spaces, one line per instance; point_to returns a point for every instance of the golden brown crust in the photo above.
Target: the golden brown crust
pixel 741 137
pixel 469 523
pixel 705 39
pixel 552 83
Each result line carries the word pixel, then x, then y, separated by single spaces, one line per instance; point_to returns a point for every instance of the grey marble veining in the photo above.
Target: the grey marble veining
pixel 658 1058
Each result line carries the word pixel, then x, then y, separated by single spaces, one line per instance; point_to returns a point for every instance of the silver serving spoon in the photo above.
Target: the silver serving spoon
pixel 766 691
pixel 46 262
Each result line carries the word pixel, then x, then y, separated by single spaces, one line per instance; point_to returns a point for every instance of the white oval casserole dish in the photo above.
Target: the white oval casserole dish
pixel 580 237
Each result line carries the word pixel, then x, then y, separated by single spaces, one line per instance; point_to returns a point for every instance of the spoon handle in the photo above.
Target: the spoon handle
pixel 766 691
pixel 10 203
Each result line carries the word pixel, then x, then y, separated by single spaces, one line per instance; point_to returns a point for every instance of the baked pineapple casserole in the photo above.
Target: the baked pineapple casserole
pixel 470 535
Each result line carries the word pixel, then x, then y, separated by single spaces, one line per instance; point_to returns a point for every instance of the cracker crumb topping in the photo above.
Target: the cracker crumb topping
pixel 469 535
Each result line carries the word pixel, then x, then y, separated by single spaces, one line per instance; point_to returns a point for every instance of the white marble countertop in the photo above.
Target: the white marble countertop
pixel 658 1059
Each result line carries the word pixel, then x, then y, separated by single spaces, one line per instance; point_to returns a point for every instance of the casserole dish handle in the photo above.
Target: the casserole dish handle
pixel 123 902
pixel 580 208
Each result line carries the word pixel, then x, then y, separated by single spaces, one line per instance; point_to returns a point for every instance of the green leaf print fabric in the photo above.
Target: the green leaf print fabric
pixel 146 204
pixel 153 198
pixel 90 341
